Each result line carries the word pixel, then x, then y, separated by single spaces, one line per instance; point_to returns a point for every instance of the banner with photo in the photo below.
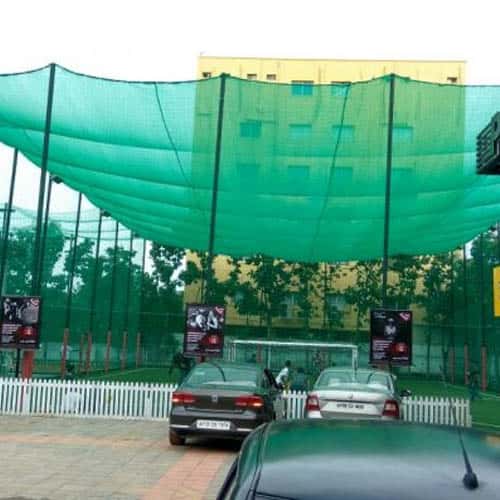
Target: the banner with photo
pixel 390 337
pixel 20 322
pixel 204 334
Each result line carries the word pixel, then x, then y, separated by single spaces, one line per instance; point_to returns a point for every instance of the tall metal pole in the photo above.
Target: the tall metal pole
pixel 129 280
pixel 451 355
pixel 69 301
pixel 35 284
pixel 466 318
pixel 481 288
pixel 215 186
pixel 93 294
pixel 113 279
pixel 484 373
pixel 141 307
pixel 387 211
pixel 127 302
pixel 6 226
pixel 111 299
pixel 43 244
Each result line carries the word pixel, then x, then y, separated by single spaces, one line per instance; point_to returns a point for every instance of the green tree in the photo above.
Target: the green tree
pixel 272 280
pixel 304 282
pixel 435 299
pixel 365 294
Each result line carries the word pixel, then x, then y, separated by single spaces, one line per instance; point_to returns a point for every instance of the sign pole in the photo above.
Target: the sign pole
pixel 207 282
pixel 466 318
pixel 387 211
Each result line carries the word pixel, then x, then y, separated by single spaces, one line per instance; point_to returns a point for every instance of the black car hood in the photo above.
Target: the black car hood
pixel 374 461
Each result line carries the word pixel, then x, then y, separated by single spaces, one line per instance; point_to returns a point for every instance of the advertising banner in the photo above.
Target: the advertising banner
pixel 203 334
pixel 390 337
pixel 20 322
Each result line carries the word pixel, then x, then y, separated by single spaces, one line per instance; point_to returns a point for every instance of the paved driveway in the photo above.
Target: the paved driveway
pixel 60 458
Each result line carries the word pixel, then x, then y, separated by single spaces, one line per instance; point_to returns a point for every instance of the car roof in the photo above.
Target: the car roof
pixel 370 460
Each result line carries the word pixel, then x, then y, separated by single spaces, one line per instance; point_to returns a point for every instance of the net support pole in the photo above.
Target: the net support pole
pixel 6 225
pixel 29 355
pixel 35 283
pixel 451 347
pixel 93 294
pixel 43 243
pixel 387 209
pixel 466 317
pixel 138 357
pixel 127 302
pixel 215 189
pixel 111 299
pixel 69 300
pixel 484 381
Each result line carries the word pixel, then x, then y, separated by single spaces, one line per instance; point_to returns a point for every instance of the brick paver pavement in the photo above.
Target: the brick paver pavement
pixel 60 458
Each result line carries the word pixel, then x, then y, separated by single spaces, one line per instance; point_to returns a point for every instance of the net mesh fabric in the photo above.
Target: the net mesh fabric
pixel 302 171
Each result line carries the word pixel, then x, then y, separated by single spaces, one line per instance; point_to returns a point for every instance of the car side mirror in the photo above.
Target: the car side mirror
pixel 405 393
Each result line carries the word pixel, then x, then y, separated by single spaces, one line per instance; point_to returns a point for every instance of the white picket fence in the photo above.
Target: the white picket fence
pixel 152 401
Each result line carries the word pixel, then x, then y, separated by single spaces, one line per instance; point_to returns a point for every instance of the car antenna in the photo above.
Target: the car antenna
pixel 470 479
pixel 218 368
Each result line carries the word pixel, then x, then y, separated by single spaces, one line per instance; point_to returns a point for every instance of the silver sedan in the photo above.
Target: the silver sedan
pixel 347 393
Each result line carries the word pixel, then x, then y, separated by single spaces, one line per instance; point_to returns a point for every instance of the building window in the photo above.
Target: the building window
pixel 250 129
pixel 287 306
pixel 248 173
pixel 271 77
pixel 298 175
pixel 343 132
pixel 298 131
pixel 342 174
pixel 340 89
pixel 402 134
pixel 336 302
pixel 302 87
pixel 251 76
pixel 404 181
pixel 206 74
pixel 452 79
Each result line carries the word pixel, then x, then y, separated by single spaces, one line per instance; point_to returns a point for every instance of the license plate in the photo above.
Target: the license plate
pixel 217 425
pixel 350 406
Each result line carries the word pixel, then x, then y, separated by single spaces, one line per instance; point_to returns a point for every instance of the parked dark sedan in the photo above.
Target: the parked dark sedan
pixel 362 460
pixel 223 399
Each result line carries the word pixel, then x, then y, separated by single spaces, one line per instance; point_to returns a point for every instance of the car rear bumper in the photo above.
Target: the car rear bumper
pixel 185 423
pixel 346 416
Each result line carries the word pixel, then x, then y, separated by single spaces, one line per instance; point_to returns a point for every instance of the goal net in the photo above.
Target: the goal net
pixel 312 357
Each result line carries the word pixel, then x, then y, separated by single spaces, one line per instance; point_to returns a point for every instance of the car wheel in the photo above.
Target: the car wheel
pixel 175 439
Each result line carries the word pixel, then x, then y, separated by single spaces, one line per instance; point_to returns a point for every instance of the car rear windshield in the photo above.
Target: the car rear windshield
pixel 330 379
pixel 222 376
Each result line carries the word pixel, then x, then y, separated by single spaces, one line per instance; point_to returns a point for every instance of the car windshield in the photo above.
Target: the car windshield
pixel 209 375
pixel 332 378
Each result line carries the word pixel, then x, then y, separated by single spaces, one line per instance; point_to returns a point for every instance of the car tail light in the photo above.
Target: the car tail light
pixel 312 403
pixel 182 398
pixel 391 409
pixel 249 402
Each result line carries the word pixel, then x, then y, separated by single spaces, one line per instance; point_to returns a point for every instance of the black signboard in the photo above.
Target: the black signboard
pixel 204 330
pixel 20 322
pixel 390 337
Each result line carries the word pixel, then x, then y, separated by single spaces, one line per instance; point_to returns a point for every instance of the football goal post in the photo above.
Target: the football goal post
pixel 313 357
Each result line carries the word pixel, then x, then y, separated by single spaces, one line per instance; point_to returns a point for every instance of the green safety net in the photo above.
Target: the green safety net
pixel 302 167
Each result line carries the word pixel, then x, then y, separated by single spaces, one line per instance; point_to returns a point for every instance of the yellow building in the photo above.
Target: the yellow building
pixel 305 72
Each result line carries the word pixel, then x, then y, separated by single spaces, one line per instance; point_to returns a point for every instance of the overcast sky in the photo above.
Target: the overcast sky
pixel 160 40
